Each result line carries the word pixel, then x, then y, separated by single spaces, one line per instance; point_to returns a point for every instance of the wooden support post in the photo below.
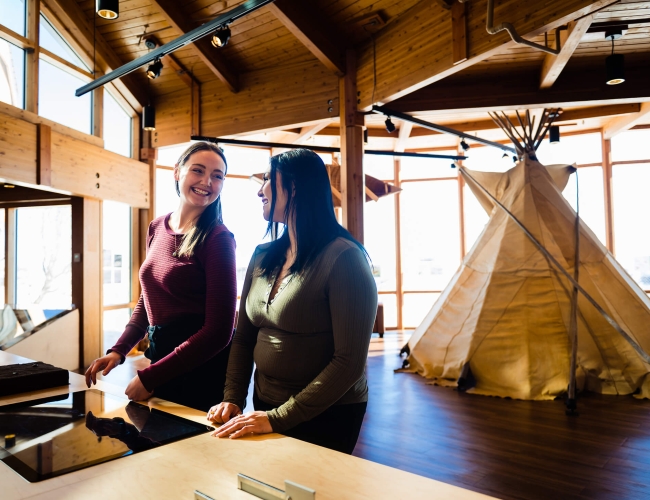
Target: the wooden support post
pixel 607 188
pixel 149 156
pixel 43 155
pixel 399 280
pixel 461 208
pixel 10 256
pixel 87 276
pixel 459 32
pixel 98 110
pixel 352 179
pixel 32 56
pixel 136 234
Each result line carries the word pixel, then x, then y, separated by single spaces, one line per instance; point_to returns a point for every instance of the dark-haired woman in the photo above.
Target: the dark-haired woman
pixel 189 292
pixel 306 315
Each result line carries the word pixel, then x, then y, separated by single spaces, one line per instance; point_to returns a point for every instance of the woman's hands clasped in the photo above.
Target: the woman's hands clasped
pixel 236 424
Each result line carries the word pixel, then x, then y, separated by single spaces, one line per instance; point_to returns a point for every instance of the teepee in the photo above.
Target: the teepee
pixel 538 304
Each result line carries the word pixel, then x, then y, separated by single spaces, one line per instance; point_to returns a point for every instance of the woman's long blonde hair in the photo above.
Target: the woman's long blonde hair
pixel 211 216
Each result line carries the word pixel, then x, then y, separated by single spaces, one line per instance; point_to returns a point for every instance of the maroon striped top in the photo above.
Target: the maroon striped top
pixel 173 287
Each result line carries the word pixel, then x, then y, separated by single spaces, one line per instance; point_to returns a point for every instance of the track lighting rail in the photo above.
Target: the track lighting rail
pixel 324 149
pixel 181 41
pixel 382 110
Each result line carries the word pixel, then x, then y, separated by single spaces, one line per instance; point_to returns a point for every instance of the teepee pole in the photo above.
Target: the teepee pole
pixel 571 403
pixel 644 355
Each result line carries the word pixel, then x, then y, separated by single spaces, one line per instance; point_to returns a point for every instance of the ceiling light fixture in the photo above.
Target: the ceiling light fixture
pixel 221 37
pixel 153 71
pixel 464 145
pixel 390 126
pixel 615 63
pixel 149 117
pixel 505 155
pixel 108 9
pixel 554 134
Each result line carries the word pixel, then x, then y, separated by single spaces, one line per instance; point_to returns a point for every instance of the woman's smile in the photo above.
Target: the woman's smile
pixel 201 192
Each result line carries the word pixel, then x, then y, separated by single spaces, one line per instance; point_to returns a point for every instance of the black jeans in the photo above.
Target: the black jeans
pixel 337 428
pixel 201 387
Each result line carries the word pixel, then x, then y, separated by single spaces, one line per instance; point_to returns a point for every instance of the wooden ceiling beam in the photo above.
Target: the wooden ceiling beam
pixel 307 132
pixel 180 21
pixel 570 39
pixel 623 123
pixel 404 133
pixel 71 22
pixel 582 84
pixel 313 31
pixel 416 41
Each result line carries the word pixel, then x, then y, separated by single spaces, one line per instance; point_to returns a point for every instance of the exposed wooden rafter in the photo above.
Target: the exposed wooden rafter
pixel 553 65
pixel 313 31
pixel 174 15
pixel 415 41
pixel 309 131
pixel 581 85
pixel 623 123
pixel 404 133
pixel 68 18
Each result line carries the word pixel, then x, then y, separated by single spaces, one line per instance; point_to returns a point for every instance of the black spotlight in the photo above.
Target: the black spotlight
pixel 108 9
pixel 505 155
pixel 153 71
pixel 614 63
pixel 464 145
pixel 390 126
pixel 221 37
pixel 554 134
pixel 453 165
pixel 149 117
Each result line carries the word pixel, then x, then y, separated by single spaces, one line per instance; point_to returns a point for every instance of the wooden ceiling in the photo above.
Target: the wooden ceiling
pixel 269 78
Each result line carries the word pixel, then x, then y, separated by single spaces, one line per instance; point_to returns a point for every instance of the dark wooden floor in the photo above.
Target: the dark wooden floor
pixel 504 448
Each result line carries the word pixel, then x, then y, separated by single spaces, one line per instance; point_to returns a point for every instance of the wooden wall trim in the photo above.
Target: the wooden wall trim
pixel 28 116
pixel 271 98
pixel 44 155
pixel 77 167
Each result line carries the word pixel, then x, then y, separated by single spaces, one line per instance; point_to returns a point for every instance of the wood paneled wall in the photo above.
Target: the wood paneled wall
pixel 79 165
pixel 268 99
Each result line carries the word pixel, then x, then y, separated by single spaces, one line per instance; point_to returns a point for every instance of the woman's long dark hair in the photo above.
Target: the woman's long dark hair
pixel 211 216
pixel 309 207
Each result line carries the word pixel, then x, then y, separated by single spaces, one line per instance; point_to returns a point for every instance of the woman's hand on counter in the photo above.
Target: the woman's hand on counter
pixel 223 412
pixel 135 391
pixel 254 422
pixel 106 363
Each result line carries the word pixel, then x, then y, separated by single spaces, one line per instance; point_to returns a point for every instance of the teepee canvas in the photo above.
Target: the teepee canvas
pixel 506 314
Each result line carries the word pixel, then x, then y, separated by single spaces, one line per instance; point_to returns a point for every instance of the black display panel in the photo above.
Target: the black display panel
pixel 50 437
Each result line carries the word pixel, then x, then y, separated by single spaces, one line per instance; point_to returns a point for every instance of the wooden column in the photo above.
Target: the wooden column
pixel 44 154
pixel 149 156
pixel 461 207
pixel 87 276
pixel 399 279
pixel 607 189
pixel 32 56
pixel 352 179
pixel 136 236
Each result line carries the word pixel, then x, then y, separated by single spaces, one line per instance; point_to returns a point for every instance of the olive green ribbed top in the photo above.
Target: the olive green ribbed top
pixel 310 343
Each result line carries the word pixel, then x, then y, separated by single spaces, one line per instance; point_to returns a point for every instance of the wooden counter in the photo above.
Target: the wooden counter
pixel 211 465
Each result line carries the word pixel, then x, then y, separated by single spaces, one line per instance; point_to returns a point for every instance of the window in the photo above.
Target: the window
pixel 632 239
pixel 416 307
pixel 487 159
pixel 3 230
pixel 116 254
pixel 43 257
pixel 58 102
pixel 631 145
pixel 51 40
pixel 12 74
pixel 379 167
pixel 580 149
pixel 592 198
pixel 13 15
pixel 166 197
pixel 379 240
pixel 114 322
pixel 117 127
pixel 427 168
